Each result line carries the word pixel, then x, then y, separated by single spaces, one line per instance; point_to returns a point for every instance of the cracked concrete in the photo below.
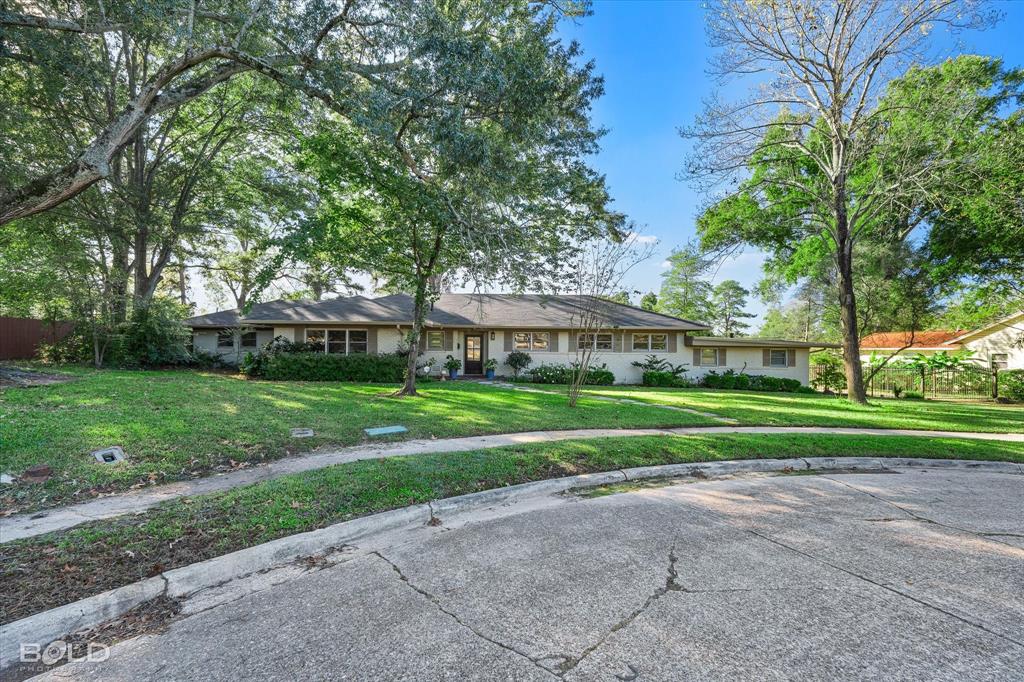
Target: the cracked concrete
pixel 810 577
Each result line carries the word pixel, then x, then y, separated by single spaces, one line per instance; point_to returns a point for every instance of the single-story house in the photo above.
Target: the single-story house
pixel 997 345
pixel 476 327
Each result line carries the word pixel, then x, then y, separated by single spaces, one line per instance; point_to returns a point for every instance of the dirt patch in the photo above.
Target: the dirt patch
pixel 149 617
pixel 12 377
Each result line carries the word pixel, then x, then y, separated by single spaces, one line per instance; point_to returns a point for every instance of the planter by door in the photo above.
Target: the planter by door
pixel 474 359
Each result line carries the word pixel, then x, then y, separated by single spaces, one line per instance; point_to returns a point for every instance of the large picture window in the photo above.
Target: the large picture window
pixel 340 341
pixel 778 357
pixel 531 341
pixel 648 342
pixel 226 338
pixel 595 341
pixel 708 357
pixel 249 340
pixel 435 340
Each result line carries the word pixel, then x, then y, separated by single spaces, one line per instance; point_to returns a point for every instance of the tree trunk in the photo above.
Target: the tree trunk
pixel 848 317
pixel 419 312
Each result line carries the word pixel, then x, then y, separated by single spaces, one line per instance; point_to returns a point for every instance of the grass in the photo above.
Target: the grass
pixel 181 424
pixel 796 409
pixel 58 568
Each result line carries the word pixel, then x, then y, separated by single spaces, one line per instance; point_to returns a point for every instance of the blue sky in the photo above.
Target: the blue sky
pixel 653 56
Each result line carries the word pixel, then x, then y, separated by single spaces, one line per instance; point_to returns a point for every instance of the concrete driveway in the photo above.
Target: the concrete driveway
pixel 910 575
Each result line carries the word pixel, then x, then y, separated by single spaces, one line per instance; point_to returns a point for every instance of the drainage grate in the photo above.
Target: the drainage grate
pixel 111 455
pixel 302 433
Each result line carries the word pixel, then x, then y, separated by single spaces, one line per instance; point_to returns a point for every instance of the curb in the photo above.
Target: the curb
pixel 48 626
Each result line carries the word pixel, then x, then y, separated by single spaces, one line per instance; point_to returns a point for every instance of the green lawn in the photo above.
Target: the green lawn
pixel 797 409
pixel 180 424
pixel 175 424
pixel 58 568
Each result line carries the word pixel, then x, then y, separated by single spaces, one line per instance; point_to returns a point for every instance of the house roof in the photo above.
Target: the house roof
pixel 998 325
pixel 753 341
pixel 450 310
pixel 935 339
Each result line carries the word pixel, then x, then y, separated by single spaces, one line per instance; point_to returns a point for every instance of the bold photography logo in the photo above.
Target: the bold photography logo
pixel 61 651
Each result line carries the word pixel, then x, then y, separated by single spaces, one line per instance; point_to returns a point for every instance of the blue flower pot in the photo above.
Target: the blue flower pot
pixel 453 373
pixel 490 374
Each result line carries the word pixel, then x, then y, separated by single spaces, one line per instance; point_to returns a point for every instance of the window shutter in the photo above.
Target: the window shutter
pixel 508 339
pixel 672 342
pixel 696 357
pixel 553 341
pixel 792 357
pixel 371 340
pixel 572 341
pixel 449 338
pixel 423 339
pixel 721 357
pixel 766 357
pixel 617 342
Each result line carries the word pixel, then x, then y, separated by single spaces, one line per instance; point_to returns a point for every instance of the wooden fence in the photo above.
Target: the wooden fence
pixel 20 337
pixel 962 382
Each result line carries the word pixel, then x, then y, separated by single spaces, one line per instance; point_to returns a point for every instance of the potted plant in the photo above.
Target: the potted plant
pixel 489 367
pixel 453 365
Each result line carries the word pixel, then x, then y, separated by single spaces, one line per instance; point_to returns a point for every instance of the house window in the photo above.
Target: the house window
pixel 435 340
pixel 708 357
pixel 778 357
pixel 595 341
pixel 999 360
pixel 650 341
pixel 531 341
pixel 336 341
pixel 226 338
pixel 357 341
pixel 249 340
pixel 316 337
pixel 340 341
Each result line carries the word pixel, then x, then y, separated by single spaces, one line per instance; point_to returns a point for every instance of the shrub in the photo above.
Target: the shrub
pixel 913 395
pixel 384 368
pixel 730 379
pixel 204 359
pixel 255 365
pixel 665 378
pixel 829 375
pixel 517 361
pixel 562 374
pixel 1011 384
pixel 153 336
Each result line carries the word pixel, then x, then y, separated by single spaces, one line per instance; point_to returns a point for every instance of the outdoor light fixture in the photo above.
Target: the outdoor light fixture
pixel 492 336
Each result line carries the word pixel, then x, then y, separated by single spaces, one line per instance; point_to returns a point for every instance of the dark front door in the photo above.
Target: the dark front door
pixel 474 362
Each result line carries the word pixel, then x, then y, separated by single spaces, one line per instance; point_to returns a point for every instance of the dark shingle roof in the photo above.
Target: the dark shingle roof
pixel 230 318
pixel 452 310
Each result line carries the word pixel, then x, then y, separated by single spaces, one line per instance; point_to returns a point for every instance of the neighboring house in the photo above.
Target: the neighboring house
pixel 997 345
pixel 475 327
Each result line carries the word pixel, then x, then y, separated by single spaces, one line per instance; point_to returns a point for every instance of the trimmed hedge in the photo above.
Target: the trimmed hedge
pixel 750 382
pixel 563 374
pixel 385 368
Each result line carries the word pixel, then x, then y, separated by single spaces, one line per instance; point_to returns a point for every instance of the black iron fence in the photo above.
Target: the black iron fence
pixel 961 382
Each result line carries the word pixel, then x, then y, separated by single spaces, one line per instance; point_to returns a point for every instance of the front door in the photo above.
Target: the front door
pixel 474 362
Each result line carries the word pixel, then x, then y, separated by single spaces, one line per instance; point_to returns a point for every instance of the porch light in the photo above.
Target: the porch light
pixel 492 336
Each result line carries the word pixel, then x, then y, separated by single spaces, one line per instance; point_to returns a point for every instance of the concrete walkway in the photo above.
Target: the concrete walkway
pixel 21 526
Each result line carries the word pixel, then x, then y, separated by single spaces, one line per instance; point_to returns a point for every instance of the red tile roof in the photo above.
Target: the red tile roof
pixel 926 339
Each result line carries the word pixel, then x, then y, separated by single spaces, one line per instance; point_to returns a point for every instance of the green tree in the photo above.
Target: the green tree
pixel 828 168
pixel 649 301
pixel 480 174
pixel 685 292
pixel 728 308
pixel 620 297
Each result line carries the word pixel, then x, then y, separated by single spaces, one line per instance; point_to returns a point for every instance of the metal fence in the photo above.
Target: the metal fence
pixel 965 383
